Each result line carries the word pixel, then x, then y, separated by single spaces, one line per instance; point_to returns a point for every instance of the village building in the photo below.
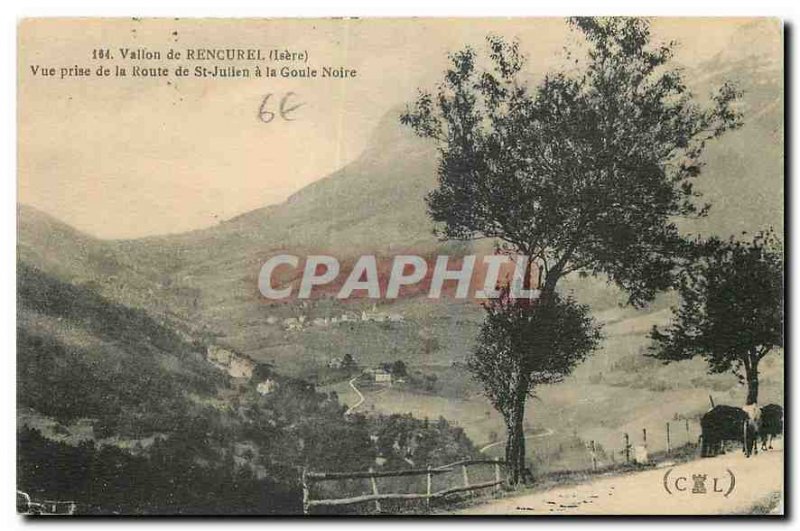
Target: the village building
pixel 236 365
pixel 241 367
pixel 266 387
pixel 380 376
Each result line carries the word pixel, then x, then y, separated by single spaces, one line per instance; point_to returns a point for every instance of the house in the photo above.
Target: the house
pixel 266 387
pixel 236 365
pixel 241 367
pixel 294 323
pixel 335 363
pixel 377 317
pixel 380 376
pixel 383 377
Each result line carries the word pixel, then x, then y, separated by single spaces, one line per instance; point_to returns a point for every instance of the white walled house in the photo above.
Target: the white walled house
pixel 266 387
pixel 380 376
pixel 236 365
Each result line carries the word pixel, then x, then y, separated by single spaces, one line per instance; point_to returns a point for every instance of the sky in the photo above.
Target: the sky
pixel 133 157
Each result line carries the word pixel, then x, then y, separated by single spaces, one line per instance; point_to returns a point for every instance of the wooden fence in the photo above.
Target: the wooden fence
pixel 26 506
pixel 314 477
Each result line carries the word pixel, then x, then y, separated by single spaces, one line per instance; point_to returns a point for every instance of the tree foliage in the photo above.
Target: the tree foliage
pixel 584 172
pixel 731 309
pixel 522 345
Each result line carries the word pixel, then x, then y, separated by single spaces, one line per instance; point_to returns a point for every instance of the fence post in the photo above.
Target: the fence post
pixel 497 474
pixel 428 489
pixel 464 473
pixel 627 449
pixel 644 436
pixel 304 482
pixel 375 490
pixel 688 440
pixel 669 446
pixel 594 457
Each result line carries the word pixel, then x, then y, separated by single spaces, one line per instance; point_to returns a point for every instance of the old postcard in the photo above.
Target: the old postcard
pixel 400 266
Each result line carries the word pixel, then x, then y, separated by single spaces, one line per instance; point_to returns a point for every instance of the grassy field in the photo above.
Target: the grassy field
pixel 617 391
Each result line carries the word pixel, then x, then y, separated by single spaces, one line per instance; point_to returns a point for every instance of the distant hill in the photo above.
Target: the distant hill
pixel 60 249
pixel 81 357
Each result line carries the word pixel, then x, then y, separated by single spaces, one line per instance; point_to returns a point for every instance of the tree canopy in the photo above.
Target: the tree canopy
pixel 530 344
pixel 584 172
pixel 731 308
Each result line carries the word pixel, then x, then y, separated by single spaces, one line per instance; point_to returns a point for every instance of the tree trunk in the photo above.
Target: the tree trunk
pixel 515 445
pixel 549 287
pixel 751 375
pixel 527 279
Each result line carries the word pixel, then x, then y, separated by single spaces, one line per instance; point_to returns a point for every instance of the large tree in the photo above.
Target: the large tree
pixel 731 308
pixel 523 345
pixel 583 173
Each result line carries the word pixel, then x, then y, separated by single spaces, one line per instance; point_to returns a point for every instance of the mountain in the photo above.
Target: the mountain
pixel 206 279
pixel 744 174
pixel 373 205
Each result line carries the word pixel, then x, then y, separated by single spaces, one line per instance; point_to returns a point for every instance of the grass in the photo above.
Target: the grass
pixel 632 394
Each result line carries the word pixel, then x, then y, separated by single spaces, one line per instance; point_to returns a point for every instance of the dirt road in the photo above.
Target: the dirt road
pixel 360 397
pixel 546 433
pixel 686 491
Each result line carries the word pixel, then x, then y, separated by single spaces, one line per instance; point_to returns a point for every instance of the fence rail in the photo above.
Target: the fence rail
pixel 308 478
